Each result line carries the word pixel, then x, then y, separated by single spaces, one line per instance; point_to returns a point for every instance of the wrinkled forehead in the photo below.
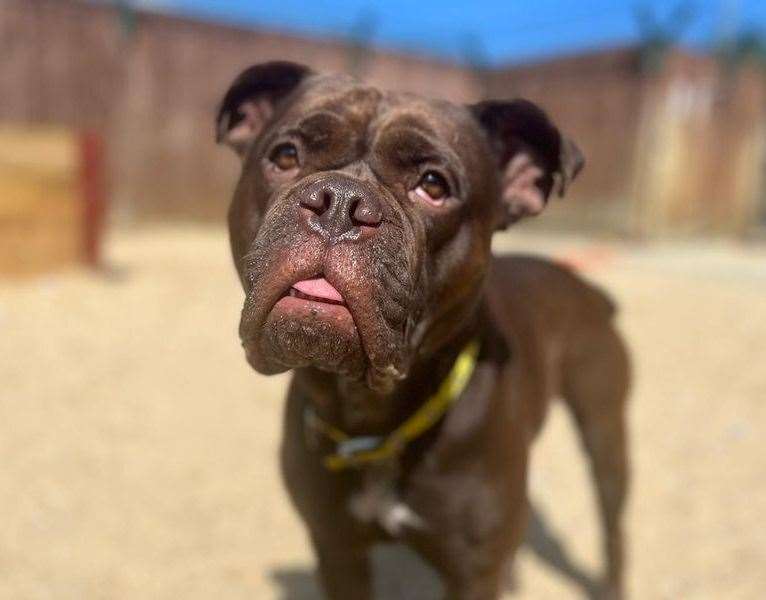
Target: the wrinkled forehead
pixel 370 112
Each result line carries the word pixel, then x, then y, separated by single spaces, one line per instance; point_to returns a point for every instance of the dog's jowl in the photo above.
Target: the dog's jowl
pixel 422 366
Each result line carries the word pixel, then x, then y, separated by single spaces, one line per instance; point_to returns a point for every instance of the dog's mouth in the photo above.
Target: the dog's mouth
pixel 315 300
pixel 337 309
pixel 316 289
pixel 309 324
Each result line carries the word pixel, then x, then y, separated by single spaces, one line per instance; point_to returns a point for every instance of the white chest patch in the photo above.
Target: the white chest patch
pixel 377 501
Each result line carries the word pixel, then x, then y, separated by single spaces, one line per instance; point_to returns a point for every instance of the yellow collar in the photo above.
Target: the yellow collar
pixel 354 452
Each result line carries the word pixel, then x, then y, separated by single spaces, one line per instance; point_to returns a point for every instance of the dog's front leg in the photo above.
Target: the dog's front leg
pixel 469 571
pixel 477 586
pixel 344 568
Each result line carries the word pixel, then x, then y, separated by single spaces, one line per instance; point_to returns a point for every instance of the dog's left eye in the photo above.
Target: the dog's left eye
pixel 284 156
pixel 433 188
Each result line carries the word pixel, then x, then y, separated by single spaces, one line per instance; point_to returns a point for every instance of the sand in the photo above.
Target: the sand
pixel 139 451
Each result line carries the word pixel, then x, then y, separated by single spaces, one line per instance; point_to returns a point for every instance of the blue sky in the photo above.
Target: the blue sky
pixel 495 31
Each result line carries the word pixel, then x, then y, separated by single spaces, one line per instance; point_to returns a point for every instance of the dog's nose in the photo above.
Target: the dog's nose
pixel 341 205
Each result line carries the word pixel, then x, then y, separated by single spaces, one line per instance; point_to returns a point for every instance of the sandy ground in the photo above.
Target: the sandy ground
pixel 139 451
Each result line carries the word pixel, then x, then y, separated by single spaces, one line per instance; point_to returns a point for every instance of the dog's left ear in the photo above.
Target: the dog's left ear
pixel 251 100
pixel 532 155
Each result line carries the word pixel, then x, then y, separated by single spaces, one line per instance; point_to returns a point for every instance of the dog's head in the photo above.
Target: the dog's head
pixel 362 220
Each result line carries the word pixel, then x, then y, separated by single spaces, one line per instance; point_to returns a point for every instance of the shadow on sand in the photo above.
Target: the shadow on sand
pixel 401 575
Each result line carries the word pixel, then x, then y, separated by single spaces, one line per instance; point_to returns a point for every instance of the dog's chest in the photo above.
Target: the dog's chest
pixel 379 501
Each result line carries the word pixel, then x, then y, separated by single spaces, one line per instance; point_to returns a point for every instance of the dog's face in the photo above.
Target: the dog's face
pixel 362 220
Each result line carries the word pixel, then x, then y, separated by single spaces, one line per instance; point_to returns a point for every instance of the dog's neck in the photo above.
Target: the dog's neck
pixel 351 406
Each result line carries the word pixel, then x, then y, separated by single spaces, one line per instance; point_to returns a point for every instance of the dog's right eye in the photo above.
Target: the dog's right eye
pixel 284 157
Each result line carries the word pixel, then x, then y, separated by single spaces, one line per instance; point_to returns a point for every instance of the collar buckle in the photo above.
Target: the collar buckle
pixel 356 445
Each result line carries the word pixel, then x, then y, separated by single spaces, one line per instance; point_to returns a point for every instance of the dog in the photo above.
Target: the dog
pixel 422 365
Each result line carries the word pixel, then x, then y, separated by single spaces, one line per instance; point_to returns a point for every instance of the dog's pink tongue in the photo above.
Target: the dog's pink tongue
pixel 319 288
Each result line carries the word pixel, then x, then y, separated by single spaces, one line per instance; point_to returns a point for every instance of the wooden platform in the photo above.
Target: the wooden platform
pixel 45 218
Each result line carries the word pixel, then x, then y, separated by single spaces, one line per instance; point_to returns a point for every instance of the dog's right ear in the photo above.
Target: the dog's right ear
pixel 251 99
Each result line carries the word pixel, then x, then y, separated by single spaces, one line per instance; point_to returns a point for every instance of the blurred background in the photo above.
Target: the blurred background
pixel 138 449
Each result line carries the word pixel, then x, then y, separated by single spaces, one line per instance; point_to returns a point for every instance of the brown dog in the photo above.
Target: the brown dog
pixel 361 229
